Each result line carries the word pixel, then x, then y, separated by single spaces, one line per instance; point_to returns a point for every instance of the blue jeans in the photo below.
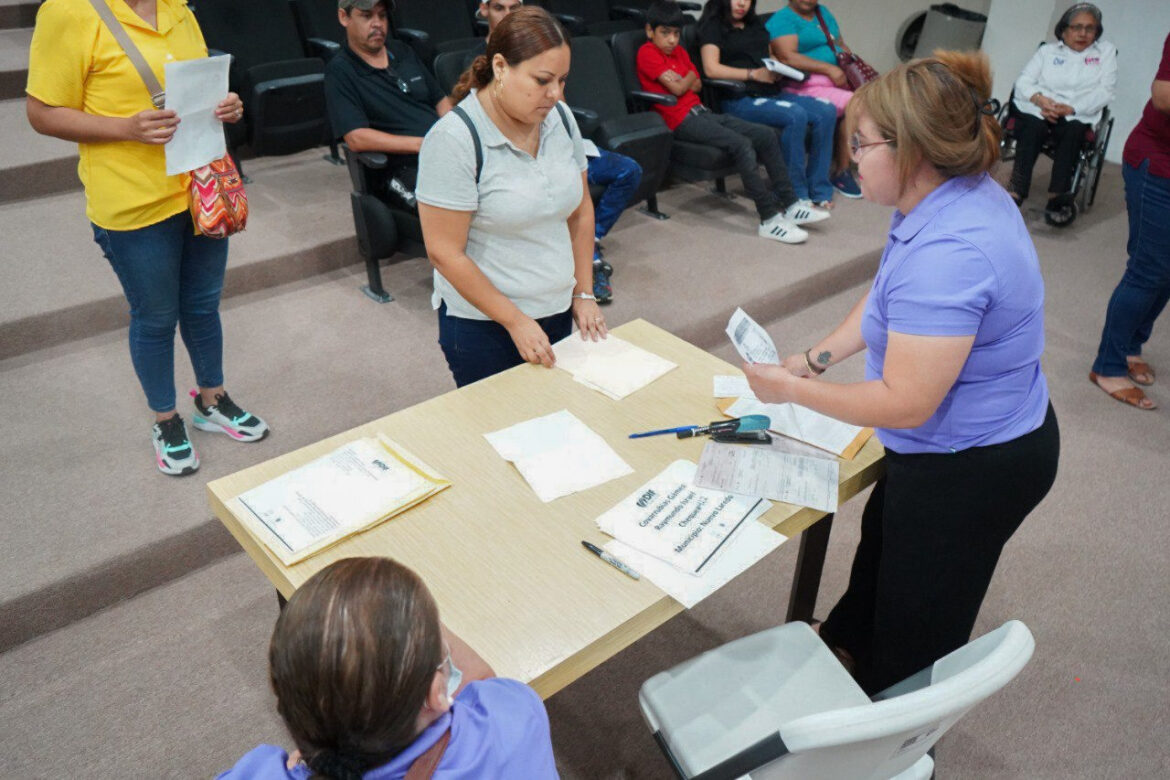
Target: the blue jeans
pixel 1145 286
pixel 477 349
pixel 807 126
pixel 169 275
pixel 620 176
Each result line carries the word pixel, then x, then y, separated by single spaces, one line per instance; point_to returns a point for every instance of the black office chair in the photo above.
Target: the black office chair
pixel 592 17
pixel 382 228
pixel 689 161
pixel 283 89
pixel 594 92
pixel 321 34
pixel 636 9
pixel 433 27
pixel 449 66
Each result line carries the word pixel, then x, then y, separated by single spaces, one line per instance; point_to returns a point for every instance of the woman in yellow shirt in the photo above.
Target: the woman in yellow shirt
pixel 83 88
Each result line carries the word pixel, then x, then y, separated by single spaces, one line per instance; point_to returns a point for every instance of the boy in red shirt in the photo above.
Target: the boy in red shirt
pixel 665 68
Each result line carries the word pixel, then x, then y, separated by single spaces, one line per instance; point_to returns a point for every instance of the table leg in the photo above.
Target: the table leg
pixel 810 561
pixel 283 602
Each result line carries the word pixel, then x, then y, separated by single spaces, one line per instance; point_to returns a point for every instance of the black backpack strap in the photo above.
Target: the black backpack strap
pixel 475 139
pixel 564 118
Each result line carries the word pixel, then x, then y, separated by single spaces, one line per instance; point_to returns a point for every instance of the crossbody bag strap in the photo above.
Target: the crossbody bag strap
pixel 478 144
pixel 825 30
pixel 425 765
pixel 564 119
pixel 157 95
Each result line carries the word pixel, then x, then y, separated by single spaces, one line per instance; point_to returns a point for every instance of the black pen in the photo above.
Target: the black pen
pixel 612 561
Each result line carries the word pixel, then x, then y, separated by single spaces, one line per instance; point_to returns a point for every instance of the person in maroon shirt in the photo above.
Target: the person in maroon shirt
pixel 1145 286
pixel 665 68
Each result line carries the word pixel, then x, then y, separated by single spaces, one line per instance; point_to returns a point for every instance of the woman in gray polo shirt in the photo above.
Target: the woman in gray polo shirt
pixel 511 240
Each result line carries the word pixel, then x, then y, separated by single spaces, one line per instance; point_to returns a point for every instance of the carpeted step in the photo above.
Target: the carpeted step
pixel 17 13
pixel 14 41
pixel 32 165
pixel 300 225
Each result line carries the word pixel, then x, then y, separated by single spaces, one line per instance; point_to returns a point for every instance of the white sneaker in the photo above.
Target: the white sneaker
pixel 780 228
pixel 803 212
pixel 225 416
pixel 173 452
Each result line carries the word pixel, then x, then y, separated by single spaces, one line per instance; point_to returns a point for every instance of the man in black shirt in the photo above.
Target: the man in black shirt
pixel 380 97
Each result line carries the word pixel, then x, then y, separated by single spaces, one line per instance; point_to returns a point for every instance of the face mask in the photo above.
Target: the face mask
pixel 453 681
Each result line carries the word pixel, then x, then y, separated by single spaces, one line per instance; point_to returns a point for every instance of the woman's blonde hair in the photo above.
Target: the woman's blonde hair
pixel 937 109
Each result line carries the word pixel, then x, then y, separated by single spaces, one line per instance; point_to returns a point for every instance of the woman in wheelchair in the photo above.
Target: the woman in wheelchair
pixel 1057 99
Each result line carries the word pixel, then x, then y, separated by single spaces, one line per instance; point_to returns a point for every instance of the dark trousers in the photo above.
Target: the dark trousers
pixel 748 144
pixel 477 349
pixel 1067 135
pixel 1144 289
pixel 931 535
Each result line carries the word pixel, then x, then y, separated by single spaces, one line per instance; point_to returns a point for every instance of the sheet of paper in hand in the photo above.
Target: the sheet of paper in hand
pixel 751 341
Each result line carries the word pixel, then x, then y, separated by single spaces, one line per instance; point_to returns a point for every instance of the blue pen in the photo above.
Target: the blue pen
pixel 663 431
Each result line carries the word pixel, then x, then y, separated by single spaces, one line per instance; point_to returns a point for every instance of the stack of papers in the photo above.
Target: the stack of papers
pixel 611 366
pixel 730 386
pixel 771 473
pixel 802 424
pixel 558 454
pixel 687 540
pixel 349 490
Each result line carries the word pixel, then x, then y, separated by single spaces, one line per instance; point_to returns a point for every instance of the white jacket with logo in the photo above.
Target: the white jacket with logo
pixel 1084 80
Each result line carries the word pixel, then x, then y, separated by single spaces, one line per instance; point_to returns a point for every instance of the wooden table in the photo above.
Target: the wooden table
pixel 508 571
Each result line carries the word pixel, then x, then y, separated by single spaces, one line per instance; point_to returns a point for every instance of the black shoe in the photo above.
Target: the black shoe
pixel 1060 210
pixel 602 290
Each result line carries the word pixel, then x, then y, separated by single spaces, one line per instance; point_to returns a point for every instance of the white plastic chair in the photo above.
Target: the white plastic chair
pixel 779 705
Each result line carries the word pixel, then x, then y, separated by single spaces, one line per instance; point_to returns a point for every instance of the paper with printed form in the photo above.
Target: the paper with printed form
pixel 729 386
pixel 751 341
pixel 194 88
pixel 801 423
pixel 352 488
pixel 671 519
pixel 558 454
pixel 763 471
pixel 611 366
pixel 746 547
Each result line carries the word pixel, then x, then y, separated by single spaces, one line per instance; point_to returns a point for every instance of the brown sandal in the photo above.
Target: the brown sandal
pixel 1130 395
pixel 1139 368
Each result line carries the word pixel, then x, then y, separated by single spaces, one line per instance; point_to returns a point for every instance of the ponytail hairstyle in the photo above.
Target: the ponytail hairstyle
pixel 938 109
pixel 523 34
pixel 352 660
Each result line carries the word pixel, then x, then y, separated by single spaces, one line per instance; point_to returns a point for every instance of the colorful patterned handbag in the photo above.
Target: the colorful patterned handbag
pixel 219 206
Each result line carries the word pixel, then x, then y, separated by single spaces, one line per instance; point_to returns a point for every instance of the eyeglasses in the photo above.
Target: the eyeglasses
pixel 855 145
pixel 1082 28
pixel 446 661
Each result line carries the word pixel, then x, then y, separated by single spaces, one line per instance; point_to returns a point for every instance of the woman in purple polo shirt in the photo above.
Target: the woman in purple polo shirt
pixel 954 328
pixel 368 683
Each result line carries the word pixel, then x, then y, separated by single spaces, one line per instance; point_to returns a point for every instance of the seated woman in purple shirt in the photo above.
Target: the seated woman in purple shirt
pixel 954 327
pixel 367 681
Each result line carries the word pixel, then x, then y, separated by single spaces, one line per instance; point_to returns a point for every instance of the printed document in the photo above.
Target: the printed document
pixel 674 521
pixel 751 341
pixel 763 471
pixel 801 423
pixel 352 488
pixel 747 546
pixel 611 366
pixel 558 454
pixel 194 88
pixel 784 70
pixel 728 386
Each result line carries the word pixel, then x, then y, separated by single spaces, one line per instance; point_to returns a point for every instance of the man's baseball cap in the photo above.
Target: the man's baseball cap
pixel 364 5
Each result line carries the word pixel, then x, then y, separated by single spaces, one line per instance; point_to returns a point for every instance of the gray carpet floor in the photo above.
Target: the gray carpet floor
pixel 166 677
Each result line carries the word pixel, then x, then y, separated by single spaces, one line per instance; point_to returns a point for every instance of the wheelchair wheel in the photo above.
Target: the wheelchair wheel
pixel 1102 145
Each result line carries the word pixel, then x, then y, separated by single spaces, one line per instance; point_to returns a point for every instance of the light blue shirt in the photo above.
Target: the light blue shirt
pixel 961 263
pixel 499 728
pixel 810 38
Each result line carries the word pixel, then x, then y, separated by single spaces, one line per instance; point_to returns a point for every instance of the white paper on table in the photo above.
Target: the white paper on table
pixel 674 521
pixel 347 488
pixel 611 366
pixel 558 454
pixel 193 89
pixel 591 149
pixel 784 70
pixel 751 341
pixel 762 471
pixel 746 547
pixel 730 386
pixel 801 423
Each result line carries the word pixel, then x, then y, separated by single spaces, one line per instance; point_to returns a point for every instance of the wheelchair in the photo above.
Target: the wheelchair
pixel 1086 173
